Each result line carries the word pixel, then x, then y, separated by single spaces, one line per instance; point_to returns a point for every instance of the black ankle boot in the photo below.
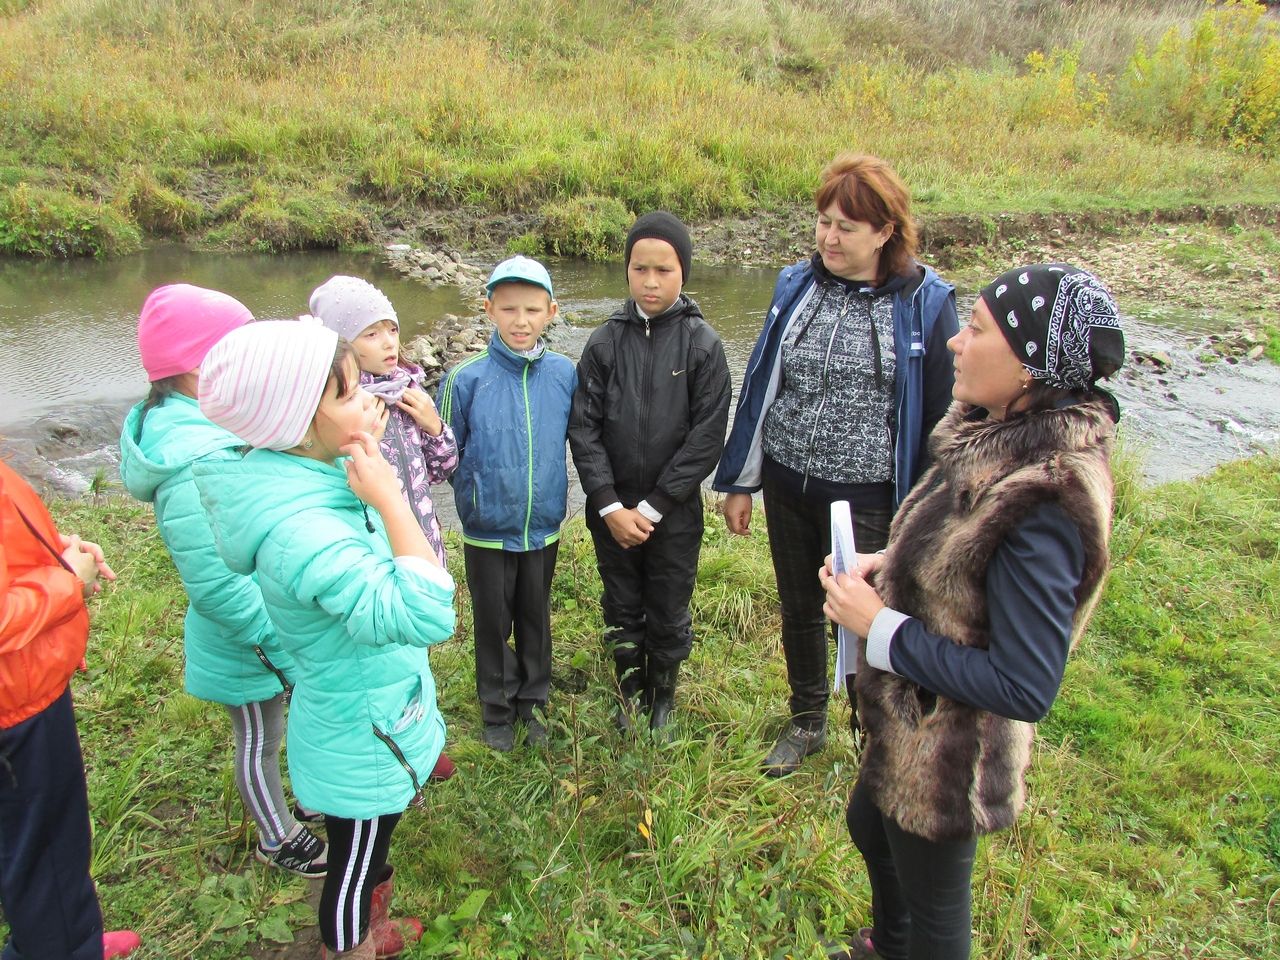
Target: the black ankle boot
pixel 628 664
pixel 661 692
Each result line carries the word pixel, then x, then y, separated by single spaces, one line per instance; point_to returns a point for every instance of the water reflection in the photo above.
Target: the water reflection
pixel 68 355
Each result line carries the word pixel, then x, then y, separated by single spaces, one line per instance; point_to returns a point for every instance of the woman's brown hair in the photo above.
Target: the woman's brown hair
pixel 866 188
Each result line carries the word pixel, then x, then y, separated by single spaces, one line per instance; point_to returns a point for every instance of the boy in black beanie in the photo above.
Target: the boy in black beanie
pixel 646 428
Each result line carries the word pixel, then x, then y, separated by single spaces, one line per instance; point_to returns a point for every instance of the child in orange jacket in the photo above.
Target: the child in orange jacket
pixel 49 900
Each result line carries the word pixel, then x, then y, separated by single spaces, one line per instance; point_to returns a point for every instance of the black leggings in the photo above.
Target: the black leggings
pixel 357 858
pixel 920 889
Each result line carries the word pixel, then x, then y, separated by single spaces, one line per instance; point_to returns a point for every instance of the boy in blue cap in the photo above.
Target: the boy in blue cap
pixel 508 407
pixel 647 428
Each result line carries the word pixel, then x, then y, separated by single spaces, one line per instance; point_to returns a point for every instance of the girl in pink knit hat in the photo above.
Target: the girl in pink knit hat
pixel 232 656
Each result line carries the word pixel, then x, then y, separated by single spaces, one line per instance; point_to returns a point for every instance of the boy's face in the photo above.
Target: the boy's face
pixel 378 347
pixel 653 275
pixel 520 311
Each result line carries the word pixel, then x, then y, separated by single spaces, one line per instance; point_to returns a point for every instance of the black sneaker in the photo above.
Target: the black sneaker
pixel 792 747
pixel 499 736
pixel 302 853
pixel 535 732
pixel 303 815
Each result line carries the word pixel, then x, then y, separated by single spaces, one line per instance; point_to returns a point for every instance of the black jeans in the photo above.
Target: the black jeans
pixel 799 541
pixel 647 589
pixel 920 889
pixel 511 593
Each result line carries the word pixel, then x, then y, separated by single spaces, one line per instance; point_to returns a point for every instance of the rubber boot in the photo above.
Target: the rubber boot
pixel 661 692
pixel 119 943
pixel 389 936
pixel 364 950
pixel 628 663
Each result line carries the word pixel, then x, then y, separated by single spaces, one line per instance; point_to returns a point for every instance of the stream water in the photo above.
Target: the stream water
pixel 69 369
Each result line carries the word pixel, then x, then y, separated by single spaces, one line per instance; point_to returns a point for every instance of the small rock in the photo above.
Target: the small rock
pixel 1257 352
pixel 398 248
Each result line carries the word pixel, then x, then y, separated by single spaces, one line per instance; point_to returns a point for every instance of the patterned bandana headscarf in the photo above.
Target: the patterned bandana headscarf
pixel 1060 321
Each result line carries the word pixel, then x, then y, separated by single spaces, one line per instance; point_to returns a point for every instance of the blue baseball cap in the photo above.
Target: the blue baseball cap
pixel 521 269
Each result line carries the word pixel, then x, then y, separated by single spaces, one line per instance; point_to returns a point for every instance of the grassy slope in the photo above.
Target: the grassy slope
pixel 1152 830
pixel 299 124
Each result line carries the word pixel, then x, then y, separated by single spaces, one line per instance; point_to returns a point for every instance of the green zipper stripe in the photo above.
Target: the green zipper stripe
pixel 446 402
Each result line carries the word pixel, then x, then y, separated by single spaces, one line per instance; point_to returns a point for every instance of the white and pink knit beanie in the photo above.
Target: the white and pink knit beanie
pixel 263 381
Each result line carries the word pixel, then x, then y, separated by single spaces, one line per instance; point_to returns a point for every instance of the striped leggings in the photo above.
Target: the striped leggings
pixel 258 729
pixel 357 864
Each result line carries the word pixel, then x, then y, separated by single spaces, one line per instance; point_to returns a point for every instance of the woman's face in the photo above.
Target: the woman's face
pixel 850 248
pixel 988 373
pixel 339 417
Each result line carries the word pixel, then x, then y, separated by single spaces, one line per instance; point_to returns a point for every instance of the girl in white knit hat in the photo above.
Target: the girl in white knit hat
pixel 356 592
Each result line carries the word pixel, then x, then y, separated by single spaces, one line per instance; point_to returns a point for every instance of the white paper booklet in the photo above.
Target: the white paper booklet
pixel 844 559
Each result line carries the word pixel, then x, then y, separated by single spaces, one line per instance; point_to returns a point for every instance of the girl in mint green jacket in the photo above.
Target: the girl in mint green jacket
pixel 231 653
pixel 355 591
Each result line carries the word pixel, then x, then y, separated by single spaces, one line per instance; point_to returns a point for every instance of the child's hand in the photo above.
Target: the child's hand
pixel 87 562
pixel 630 528
pixel 851 601
pixel 417 404
pixel 380 425
pixel 369 475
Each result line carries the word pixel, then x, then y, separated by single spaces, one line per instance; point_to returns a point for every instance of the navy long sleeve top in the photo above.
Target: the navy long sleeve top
pixel 1031 602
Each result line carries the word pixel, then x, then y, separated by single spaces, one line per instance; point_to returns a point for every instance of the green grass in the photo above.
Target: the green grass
pixel 1152 828
pixel 280 125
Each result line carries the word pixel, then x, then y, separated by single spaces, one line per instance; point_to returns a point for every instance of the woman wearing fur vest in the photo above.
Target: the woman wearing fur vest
pixel 995 561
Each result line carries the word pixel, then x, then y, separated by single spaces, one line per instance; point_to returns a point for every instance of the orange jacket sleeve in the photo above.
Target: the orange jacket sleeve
pixel 36 591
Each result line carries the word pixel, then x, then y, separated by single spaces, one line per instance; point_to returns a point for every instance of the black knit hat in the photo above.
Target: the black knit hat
pixel 660 225
pixel 1061 322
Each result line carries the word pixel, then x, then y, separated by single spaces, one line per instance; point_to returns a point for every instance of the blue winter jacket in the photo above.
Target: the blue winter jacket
pixel 924 318
pixel 510 415
pixel 232 655
pixel 364 730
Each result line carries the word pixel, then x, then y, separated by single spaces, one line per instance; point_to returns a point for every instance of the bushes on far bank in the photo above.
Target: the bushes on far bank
pixel 299 125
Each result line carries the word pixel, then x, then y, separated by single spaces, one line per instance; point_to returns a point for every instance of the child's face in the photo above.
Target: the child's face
pixel 339 416
pixel 520 311
pixel 653 275
pixel 378 347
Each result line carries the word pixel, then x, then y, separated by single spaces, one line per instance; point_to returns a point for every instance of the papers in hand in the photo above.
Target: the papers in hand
pixel 844 559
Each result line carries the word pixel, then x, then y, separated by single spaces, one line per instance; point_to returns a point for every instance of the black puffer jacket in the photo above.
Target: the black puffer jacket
pixel 651 407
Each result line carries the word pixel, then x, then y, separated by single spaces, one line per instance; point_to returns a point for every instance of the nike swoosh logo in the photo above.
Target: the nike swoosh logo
pixel 676 373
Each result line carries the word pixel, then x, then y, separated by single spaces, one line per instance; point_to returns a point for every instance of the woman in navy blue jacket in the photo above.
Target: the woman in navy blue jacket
pixel 855 335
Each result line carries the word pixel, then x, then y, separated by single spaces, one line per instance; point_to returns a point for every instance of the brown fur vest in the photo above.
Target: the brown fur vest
pixel 942 769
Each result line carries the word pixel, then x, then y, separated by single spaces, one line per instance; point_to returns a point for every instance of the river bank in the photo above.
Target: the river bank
pixel 1203 306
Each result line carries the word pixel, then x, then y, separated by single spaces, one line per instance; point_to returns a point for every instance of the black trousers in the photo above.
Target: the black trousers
pixel 920 889
pixel 49 901
pixel 647 589
pixel 357 863
pixel 799 541
pixel 511 593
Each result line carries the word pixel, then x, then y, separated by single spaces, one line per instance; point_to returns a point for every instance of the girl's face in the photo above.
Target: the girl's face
pixel 988 374
pixel 378 347
pixel 338 418
pixel 850 248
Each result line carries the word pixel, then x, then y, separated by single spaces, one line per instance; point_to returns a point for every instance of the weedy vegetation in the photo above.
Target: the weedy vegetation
pixel 279 126
pixel 1153 827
